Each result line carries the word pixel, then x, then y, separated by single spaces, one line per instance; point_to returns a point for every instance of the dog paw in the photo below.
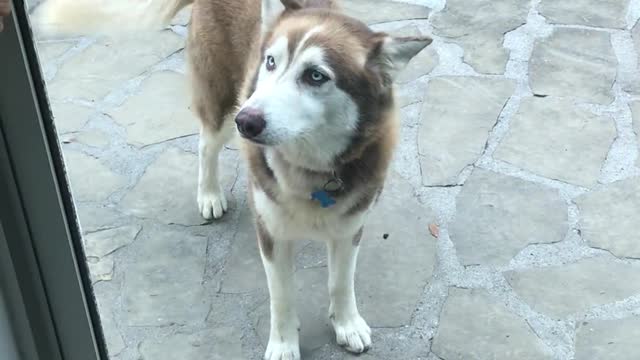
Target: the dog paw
pixel 212 204
pixel 353 333
pixel 279 350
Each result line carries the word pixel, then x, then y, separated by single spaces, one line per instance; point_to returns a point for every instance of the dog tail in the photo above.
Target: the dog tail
pixel 78 17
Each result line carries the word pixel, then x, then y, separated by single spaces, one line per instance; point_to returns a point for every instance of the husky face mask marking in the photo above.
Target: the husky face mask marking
pixel 297 101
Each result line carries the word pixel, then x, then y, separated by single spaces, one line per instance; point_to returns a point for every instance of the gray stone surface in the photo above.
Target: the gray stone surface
pixel 476 326
pixel 598 13
pixel 90 179
pixel 105 242
pixel 101 269
pixel 608 339
pixel 560 291
pixel 49 51
pixel 243 270
pixel 94 218
pixel 573 152
pixel 609 218
pixel 212 344
pixel 170 116
pixel 113 337
pixel 90 137
pixel 536 215
pixel 164 283
pixel 173 172
pixel 109 63
pixel 480 29
pixel 574 63
pixel 446 121
pixel 186 290
pixel 70 117
pixel 404 221
pixel 635 33
pixel 635 111
pixel 384 11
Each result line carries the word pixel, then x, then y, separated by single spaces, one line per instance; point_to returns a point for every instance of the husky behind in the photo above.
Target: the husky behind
pixel 311 93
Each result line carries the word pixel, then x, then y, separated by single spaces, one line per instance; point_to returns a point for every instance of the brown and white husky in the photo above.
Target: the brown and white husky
pixel 311 93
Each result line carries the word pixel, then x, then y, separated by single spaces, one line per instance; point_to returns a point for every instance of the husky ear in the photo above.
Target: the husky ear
pixel 272 9
pixel 292 4
pixel 392 54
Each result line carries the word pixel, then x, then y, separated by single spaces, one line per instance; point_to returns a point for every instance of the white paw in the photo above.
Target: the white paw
pixel 353 333
pixel 280 350
pixel 212 204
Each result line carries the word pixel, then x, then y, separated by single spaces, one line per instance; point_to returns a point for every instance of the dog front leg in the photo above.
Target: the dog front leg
pixel 211 200
pixel 351 330
pixel 277 258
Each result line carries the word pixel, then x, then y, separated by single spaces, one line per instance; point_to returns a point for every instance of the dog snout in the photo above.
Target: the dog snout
pixel 250 122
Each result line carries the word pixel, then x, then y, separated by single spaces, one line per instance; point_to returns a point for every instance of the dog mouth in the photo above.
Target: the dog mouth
pixel 256 140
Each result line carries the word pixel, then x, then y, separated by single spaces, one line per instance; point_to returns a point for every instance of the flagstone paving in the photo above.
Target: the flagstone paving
pixel 508 228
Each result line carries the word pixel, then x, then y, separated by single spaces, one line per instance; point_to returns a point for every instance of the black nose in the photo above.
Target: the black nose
pixel 250 122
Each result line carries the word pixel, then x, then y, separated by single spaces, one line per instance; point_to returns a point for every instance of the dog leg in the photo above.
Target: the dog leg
pixel 211 200
pixel 277 258
pixel 351 330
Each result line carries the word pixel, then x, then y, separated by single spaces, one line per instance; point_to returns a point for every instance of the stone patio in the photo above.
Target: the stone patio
pixel 518 141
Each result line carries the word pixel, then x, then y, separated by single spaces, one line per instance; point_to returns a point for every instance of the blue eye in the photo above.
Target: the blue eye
pixel 270 63
pixel 314 77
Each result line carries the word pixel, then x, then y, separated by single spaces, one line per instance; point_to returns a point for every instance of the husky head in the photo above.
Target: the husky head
pixel 324 81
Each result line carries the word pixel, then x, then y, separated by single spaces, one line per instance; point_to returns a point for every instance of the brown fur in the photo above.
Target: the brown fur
pixel 362 167
pixel 222 36
pixel 264 239
pixel 358 237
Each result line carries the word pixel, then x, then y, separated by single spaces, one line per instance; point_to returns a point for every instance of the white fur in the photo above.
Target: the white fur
pixel 105 16
pixel 212 202
pixel 309 124
pixel 351 329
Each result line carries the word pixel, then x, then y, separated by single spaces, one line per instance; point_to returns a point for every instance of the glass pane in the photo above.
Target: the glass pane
pixel 509 204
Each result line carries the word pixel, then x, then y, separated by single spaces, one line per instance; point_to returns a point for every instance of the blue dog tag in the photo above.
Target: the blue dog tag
pixel 323 197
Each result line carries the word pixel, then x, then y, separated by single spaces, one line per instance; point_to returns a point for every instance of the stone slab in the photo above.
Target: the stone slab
pixel 596 13
pixel 243 271
pixel 90 179
pixel 212 344
pixel 609 218
pixel 101 269
pixel 635 115
pixel 112 334
pixel 480 29
pixel 91 137
pixel 49 51
pixel 608 339
pixel 458 114
pixel 105 242
pixel 561 291
pixel 94 218
pixel 575 63
pixel 183 17
pixel 553 138
pixel 109 63
pixel 396 228
pixel 635 34
pixel 163 282
pixel 168 118
pixel 69 117
pixel 475 326
pixel 385 11
pixel 498 216
pixel 167 190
